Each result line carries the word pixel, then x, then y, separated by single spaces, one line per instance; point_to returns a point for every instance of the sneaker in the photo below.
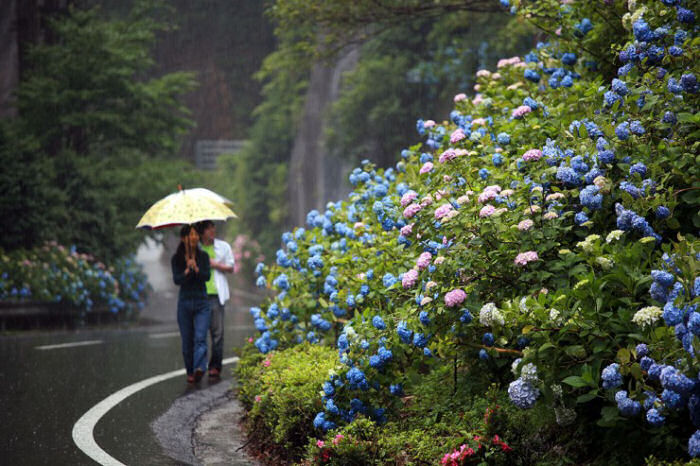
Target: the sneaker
pixel 198 374
pixel 214 372
pixel 190 378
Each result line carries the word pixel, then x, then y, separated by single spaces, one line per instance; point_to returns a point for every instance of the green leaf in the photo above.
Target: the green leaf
pixel 586 397
pixel 575 381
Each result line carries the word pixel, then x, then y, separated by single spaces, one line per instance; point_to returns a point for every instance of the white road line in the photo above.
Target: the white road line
pixel 177 334
pixel 83 428
pixel 164 335
pixel 69 345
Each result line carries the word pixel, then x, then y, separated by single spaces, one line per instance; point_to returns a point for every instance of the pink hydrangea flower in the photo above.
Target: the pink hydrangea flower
pixel 439 260
pixel 483 74
pixel 487 211
pixel 448 155
pixel 320 443
pixel 457 135
pixel 408 197
pixel 524 258
pixel 508 61
pixel 443 211
pixel 525 225
pixel 267 363
pixel 532 154
pixel 440 193
pixel 250 339
pixel 477 99
pixel 507 192
pixel 489 192
pixel 409 278
pixel 428 124
pixel 427 166
pixel 411 210
pixel 455 297
pixel 550 215
pixel 461 200
pixel 521 111
pixel 338 438
pixel 407 229
pixel 460 97
pixel 258 398
pixel 358 225
pixel 446 178
pixel 424 260
pixel 426 201
pixel 478 122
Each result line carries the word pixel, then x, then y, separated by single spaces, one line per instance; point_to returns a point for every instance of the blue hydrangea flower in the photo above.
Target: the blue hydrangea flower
pixel 685 16
pixel 619 87
pixel 611 376
pixel 466 316
pixel 694 444
pixel 623 131
pixel 503 139
pixel 483 173
pixel 532 75
pixel 568 176
pixel 672 399
pixel 388 280
pixel 646 362
pixel 591 198
pixel 636 128
pixel 420 340
pixel 523 394
pixel 396 389
pixel 378 323
pixel 581 218
pixel 404 333
pixel 483 355
pixel 641 350
pixel 569 58
pixel 674 86
pixel 423 317
pixel 488 339
pixel 689 83
pixel 583 27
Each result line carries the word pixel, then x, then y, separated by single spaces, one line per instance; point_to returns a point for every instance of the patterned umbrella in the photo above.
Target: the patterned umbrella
pixel 186 207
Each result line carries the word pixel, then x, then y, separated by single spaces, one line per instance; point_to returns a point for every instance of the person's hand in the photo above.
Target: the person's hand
pixel 192 265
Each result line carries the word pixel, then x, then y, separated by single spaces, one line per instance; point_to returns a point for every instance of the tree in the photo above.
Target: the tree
pixel 93 144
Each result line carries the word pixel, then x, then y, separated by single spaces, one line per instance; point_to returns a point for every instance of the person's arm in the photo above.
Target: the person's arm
pixel 225 262
pixel 204 273
pixel 179 275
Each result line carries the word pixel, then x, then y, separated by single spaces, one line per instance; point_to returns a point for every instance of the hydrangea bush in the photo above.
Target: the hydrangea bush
pixel 58 274
pixel 543 233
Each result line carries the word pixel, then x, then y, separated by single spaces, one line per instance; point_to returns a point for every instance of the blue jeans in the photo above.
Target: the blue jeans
pixel 216 330
pixel 193 315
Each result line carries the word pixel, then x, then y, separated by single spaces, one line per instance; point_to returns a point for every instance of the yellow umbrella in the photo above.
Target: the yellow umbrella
pixel 186 207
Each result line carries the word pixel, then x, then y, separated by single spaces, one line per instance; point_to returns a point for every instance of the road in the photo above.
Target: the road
pixel 51 378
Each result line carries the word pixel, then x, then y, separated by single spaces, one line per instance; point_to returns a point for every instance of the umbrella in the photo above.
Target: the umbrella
pixel 186 207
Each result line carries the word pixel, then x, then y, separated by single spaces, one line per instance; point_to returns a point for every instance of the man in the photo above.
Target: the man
pixel 221 259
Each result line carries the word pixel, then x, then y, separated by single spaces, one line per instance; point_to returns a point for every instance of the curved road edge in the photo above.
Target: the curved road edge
pixel 83 429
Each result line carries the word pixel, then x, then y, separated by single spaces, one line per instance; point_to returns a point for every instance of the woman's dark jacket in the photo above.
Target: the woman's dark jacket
pixel 192 285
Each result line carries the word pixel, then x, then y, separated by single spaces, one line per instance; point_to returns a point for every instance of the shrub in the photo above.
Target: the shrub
pixel 542 235
pixel 280 391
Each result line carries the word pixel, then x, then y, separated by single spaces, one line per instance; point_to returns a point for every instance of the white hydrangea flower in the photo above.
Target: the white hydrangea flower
pixel 490 315
pixel 523 304
pixel 529 373
pixel 564 415
pixel 647 316
pixel 555 316
pixel 350 332
pixel 514 366
pixel 557 391
pixel 604 262
pixel 614 236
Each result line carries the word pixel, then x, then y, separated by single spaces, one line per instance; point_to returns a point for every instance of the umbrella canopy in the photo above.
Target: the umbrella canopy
pixel 186 207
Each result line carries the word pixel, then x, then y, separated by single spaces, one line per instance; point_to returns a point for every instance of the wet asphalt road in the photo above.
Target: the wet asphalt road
pixel 45 391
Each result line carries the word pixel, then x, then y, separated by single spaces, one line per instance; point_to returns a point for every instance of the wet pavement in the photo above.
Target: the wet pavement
pixel 46 388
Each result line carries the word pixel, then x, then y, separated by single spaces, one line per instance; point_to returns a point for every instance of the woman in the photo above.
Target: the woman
pixel 191 271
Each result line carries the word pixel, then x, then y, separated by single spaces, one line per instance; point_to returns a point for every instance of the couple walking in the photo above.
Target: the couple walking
pixel 198 267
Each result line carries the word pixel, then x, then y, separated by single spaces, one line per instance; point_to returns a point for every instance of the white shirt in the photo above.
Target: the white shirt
pixel 223 254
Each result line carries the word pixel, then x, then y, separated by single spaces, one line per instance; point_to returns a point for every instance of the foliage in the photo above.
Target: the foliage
pixel 56 274
pixel 529 238
pixel 280 392
pixel 92 144
pixel 401 73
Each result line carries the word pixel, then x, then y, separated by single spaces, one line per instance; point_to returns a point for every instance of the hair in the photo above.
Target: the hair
pixel 184 233
pixel 203 225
